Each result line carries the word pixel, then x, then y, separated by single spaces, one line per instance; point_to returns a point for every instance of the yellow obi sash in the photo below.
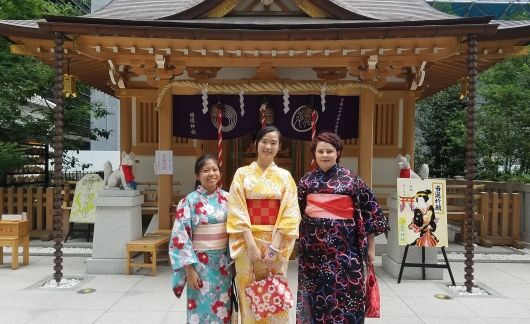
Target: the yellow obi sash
pixel 329 206
pixel 210 237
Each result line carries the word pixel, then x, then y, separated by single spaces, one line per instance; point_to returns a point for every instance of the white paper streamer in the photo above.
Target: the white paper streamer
pixel 285 100
pixel 242 102
pixel 323 97
pixel 205 99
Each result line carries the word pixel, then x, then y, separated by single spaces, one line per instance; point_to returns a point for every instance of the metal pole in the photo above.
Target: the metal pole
pixel 58 159
pixel 470 160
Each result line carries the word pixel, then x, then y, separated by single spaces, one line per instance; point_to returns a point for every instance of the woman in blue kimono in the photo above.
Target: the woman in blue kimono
pixel 199 248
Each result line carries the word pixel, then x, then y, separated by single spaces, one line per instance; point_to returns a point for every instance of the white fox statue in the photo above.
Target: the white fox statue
pixel 121 178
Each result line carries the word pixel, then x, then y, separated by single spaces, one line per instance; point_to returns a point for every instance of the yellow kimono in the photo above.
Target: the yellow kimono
pixel 251 182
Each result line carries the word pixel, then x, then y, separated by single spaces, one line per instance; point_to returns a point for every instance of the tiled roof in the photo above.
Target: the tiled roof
pixel 21 23
pixel 394 10
pixel 143 9
pixel 387 10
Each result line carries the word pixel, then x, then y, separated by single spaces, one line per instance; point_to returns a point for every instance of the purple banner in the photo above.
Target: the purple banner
pixel 341 115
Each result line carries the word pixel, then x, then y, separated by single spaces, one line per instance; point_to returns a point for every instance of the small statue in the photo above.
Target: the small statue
pixel 121 178
pixel 406 172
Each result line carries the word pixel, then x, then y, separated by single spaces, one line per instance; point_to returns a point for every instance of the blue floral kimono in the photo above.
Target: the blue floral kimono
pixel 210 304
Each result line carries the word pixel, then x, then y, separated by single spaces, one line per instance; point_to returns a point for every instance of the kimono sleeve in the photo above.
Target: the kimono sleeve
pixel 302 193
pixel 373 218
pixel 238 219
pixel 180 246
pixel 289 215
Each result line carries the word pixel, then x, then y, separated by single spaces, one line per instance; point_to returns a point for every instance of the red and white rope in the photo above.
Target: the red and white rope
pixel 313 134
pixel 220 137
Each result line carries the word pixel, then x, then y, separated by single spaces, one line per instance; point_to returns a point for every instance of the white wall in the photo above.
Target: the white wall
pixel 183 170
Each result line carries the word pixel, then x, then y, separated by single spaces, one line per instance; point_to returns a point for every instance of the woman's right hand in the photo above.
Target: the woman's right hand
pixel 192 278
pixel 254 253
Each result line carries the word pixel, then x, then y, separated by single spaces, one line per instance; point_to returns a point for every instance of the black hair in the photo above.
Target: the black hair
pixel 424 194
pixel 202 160
pixel 265 130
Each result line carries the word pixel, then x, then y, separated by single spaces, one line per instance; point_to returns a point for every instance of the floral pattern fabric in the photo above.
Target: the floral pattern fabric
pixel 331 251
pixel 210 304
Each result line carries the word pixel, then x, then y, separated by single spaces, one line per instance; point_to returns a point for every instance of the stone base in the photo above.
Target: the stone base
pixel 410 273
pixel 106 266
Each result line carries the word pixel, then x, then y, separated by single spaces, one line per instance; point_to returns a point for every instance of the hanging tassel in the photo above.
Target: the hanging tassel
pixel 205 99
pixel 285 100
pixel 242 102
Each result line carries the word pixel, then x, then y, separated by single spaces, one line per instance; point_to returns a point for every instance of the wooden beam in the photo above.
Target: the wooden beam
pixel 165 136
pixel 366 135
pixel 409 125
pixel 125 124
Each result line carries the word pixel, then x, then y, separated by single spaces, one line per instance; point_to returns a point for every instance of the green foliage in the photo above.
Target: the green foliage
pixel 24 77
pixel 503 121
pixel 440 133
pixel 12 156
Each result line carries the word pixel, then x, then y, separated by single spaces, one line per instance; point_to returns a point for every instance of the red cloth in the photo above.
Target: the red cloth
pixel 404 173
pixel 373 302
pixel 127 171
pixel 338 205
pixel 263 211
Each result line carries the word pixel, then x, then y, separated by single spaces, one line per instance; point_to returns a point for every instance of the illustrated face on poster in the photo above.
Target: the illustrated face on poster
pixel 422 212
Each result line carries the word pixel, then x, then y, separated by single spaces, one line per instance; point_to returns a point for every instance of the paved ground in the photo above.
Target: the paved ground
pixel 146 299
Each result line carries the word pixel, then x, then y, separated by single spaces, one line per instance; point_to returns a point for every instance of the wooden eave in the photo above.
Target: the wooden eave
pixel 321 33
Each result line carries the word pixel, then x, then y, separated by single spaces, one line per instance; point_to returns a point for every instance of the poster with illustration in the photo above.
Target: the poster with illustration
pixel 422 212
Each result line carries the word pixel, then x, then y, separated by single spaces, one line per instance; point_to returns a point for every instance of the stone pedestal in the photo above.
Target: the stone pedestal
pixel 118 221
pixel 394 252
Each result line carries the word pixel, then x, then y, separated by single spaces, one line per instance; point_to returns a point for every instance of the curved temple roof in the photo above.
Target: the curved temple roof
pixel 389 10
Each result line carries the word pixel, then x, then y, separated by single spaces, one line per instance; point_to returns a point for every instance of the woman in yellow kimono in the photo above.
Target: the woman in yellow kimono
pixel 263 219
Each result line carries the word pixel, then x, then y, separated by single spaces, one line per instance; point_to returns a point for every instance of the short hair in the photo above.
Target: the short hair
pixel 201 161
pixel 265 130
pixel 330 138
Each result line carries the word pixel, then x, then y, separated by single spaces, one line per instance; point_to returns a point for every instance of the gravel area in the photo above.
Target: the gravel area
pixel 462 291
pixel 37 250
pixel 65 283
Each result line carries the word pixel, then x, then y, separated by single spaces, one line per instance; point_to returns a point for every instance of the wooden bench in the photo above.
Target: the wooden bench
pixel 13 234
pixel 148 245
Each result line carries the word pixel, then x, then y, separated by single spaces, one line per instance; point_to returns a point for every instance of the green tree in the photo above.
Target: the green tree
pixel 24 77
pixel 11 156
pixel 503 121
pixel 440 133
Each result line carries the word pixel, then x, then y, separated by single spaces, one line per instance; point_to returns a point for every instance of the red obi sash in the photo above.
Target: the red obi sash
pixel 329 206
pixel 263 211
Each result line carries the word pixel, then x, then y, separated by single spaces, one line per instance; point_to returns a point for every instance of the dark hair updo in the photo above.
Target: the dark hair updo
pixel 265 130
pixel 201 161
pixel 330 138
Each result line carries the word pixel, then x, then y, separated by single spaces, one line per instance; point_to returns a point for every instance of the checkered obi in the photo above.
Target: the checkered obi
pixel 329 206
pixel 210 237
pixel 263 211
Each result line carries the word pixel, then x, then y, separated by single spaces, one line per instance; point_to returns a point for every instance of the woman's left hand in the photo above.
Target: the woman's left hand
pixel 371 248
pixel 270 255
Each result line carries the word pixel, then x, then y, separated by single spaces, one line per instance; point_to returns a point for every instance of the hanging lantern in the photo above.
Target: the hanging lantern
pixel 69 85
pixel 463 88
pixel 216 108
pixel 266 114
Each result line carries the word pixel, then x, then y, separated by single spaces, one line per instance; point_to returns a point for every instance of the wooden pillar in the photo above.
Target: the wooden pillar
pixel 125 124
pixel 165 142
pixel 366 135
pixel 409 125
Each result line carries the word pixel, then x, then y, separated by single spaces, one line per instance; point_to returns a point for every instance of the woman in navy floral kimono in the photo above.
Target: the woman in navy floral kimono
pixel 340 217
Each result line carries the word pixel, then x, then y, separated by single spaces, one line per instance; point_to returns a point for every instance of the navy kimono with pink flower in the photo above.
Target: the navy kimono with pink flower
pixel 210 304
pixel 332 247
